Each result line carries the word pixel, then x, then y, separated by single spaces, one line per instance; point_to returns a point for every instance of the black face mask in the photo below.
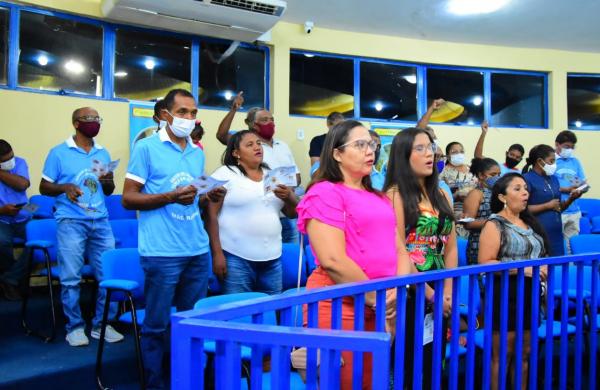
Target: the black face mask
pixel 512 162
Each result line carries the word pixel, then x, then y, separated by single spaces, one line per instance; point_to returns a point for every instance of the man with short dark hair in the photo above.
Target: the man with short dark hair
pixel 316 144
pixel 570 174
pixel 82 227
pixel 173 243
pixel 14 181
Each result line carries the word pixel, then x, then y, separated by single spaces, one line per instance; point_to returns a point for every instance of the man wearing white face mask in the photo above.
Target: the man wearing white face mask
pixel 173 243
pixel 570 174
pixel 14 181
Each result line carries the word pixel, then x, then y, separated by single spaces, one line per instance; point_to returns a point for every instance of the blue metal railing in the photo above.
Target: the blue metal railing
pixel 571 286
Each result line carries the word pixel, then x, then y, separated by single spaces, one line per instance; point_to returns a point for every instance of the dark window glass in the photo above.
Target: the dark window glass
pixel 321 85
pixel 518 100
pixel 60 54
pixel 221 78
pixel 148 66
pixel 3 44
pixel 583 97
pixel 388 91
pixel 463 92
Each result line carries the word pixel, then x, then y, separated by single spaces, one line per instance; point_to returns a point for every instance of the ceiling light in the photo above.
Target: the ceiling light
pixel 120 74
pixel 378 106
pixel 411 78
pixel 477 100
pixel 470 122
pixel 149 64
pixel 309 55
pixel 578 124
pixel 73 66
pixel 42 60
pixel 474 7
pixel 228 95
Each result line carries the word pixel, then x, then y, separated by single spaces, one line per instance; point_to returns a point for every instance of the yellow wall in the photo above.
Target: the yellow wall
pixel 33 122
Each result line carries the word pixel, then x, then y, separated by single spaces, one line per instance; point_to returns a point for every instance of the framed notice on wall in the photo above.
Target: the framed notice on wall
pixel 386 133
pixel 141 124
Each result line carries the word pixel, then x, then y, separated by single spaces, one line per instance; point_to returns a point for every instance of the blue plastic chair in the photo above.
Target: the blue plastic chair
pixel 289 265
pixel 585 243
pixel 596 224
pixel 123 281
pixel 46 206
pixel 585 225
pixel 269 318
pixel 589 207
pixel 116 210
pixel 41 244
pixel 296 382
pixel 461 245
pixel 311 264
pixel 125 232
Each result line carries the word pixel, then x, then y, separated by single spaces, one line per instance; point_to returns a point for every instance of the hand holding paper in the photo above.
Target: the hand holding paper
pixel 285 176
pixel 206 183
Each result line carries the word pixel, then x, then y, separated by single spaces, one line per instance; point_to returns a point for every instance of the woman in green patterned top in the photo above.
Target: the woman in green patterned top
pixel 430 239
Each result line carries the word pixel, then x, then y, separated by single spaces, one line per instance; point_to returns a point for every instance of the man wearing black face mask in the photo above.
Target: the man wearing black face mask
pixel 82 226
pixel 377 177
pixel 513 157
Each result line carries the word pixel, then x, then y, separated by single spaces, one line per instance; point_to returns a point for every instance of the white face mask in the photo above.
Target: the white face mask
pixel 549 169
pixel 457 159
pixel 566 152
pixel 182 127
pixel 8 165
pixel 162 124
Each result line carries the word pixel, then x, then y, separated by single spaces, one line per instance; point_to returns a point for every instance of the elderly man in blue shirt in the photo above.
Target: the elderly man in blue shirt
pixel 173 243
pixel 82 227
pixel 14 181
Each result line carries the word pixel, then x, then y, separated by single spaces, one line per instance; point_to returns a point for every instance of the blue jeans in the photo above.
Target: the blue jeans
pixel 289 230
pixel 247 276
pixel 168 280
pixel 12 271
pixel 79 239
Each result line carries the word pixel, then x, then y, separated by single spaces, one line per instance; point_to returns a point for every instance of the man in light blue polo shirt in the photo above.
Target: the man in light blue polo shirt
pixel 570 174
pixel 82 220
pixel 14 180
pixel 173 243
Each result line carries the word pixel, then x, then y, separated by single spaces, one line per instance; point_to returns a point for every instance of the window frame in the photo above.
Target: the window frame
pixel 578 74
pixel 108 55
pixel 422 88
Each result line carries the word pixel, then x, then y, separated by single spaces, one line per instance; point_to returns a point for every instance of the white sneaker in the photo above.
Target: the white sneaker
pixel 77 338
pixel 110 336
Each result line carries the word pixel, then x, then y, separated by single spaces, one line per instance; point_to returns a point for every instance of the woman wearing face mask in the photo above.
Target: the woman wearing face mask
pixel 477 203
pixel 544 195
pixel 460 180
pixel 244 227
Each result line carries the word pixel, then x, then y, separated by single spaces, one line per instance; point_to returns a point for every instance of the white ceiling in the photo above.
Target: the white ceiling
pixel 556 24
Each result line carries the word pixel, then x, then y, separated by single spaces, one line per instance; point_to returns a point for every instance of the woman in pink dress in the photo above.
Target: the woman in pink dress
pixel 352 229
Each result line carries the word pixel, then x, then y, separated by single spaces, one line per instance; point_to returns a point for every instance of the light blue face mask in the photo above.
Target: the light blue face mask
pixel 490 181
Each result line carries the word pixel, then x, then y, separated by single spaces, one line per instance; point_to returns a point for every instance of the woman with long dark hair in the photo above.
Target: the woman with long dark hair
pixel 351 227
pixel 244 227
pixel 477 203
pixel 426 226
pixel 510 234
pixel 544 195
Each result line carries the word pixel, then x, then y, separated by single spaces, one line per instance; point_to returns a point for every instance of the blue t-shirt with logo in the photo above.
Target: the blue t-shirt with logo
pixel 67 163
pixel 161 166
pixel 9 195
pixel 569 173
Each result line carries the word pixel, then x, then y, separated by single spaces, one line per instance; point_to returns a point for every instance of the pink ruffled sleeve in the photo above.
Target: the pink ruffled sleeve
pixel 324 203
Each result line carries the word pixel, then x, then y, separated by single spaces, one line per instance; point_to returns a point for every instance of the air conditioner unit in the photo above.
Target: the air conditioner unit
pixel 238 20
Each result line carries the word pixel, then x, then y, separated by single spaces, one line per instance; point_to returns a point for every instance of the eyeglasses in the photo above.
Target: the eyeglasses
pixel 89 118
pixel 421 149
pixel 362 145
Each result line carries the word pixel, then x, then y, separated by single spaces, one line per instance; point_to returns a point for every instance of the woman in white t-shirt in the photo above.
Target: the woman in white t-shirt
pixel 244 227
